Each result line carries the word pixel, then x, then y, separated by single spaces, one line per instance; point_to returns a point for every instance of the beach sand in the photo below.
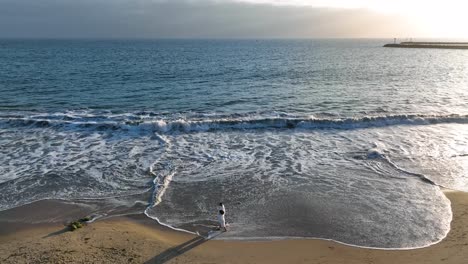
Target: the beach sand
pixel 136 239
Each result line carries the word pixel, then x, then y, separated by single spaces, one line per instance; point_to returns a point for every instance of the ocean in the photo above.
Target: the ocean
pixel 334 139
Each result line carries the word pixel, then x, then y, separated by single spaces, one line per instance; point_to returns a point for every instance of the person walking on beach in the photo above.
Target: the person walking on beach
pixel 222 217
pixel 222 221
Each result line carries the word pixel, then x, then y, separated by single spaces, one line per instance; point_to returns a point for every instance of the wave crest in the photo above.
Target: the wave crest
pixel 168 124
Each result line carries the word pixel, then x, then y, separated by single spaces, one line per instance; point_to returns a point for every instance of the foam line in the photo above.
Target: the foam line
pixel 158 124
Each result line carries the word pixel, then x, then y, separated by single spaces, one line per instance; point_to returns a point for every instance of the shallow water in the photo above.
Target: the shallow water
pixel 340 140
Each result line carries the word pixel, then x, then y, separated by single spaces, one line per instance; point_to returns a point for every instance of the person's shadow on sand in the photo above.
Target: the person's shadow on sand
pixel 178 250
pixel 56 233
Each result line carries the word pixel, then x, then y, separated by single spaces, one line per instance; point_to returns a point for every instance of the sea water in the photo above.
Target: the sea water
pixel 333 139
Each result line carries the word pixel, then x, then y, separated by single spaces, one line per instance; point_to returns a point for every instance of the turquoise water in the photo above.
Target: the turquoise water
pixel 334 139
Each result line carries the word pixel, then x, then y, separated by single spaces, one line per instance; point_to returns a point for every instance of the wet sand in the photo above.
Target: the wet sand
pixel 136 239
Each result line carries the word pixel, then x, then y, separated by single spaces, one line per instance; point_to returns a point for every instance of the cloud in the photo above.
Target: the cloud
pixel 187 19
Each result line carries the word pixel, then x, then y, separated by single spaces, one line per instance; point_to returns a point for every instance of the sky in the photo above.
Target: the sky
pixel 233 18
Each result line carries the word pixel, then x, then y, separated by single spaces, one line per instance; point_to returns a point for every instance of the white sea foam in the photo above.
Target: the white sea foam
pixel 304 177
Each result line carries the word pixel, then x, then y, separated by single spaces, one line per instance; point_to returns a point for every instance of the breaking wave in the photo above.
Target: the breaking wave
pixel 148 122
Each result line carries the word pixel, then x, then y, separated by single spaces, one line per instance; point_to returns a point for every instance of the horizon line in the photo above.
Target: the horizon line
pixel 225 38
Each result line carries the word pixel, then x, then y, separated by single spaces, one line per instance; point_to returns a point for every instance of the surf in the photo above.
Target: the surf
pixel 181 123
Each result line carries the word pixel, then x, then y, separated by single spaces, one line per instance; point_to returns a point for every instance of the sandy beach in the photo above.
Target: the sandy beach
pixel 136 239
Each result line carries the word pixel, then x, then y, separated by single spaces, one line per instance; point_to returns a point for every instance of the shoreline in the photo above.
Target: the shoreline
pixel 138 239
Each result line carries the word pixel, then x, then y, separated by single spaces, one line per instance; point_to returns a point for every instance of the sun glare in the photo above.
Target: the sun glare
pixel 432 18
